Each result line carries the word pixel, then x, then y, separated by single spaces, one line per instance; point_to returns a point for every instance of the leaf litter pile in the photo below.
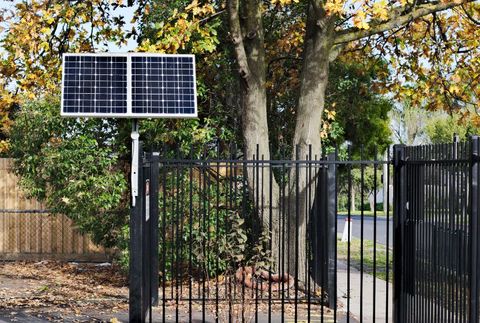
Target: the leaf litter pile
pixel 54 291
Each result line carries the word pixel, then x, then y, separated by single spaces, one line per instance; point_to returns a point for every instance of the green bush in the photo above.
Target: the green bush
pixel 72 165
pixel 215 235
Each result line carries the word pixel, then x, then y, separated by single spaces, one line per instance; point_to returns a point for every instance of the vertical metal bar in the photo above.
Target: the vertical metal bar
pixel 408 262
pixel 387 214
pixel 164 240
pixel 317 234
pixel 217 227
pixel 190 236
pixel 334 218
pixel 453 231
pixel 415 211
pixel 375 185
pixel 283 229
pixel 428 234
pixel 208 220
pixel 348 224
pixel 270 230
pixel 173 221
pixel 176 236
pixel 181 210
pixel 244 214
pixel 297 223
pixel 423 239
pixel 362 228
pixel 398 233
pixel 465 232
pixel 232 189
pixel 136 292
pixel 259 215
pixel 434 250
pixel 204 228
pixel 474 223
pixel 458 235
pixel 308 175
pixel 444 238
pixel 320 168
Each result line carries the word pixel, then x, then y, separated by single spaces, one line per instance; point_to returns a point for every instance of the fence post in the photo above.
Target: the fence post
pixel 399 203
pixel 154 191
pixel 331 202
pixel 474 228
pixel 136 292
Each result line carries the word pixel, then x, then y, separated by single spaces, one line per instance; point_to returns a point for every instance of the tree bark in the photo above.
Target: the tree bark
pixel 313 80
pixel 250 53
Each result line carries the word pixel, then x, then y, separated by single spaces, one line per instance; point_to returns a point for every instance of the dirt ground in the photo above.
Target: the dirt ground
pixel 59 292
pixel 51 291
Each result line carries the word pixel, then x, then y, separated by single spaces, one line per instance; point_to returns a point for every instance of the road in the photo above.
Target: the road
pixel 368 228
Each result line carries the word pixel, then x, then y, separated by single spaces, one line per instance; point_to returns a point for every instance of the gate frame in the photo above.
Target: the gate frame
pixel 144 258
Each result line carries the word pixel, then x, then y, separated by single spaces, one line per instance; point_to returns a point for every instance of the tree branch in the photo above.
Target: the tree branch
pixel 352 34
pixel 237 37
pixel 209 18
pixel 469 16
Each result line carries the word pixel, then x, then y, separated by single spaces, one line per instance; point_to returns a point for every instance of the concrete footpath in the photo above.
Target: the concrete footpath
pixel 367 301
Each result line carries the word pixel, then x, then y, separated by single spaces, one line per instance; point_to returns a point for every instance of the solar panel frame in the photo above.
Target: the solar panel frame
pixel 130 103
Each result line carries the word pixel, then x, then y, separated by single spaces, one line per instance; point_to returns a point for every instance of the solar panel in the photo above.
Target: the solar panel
pixel 134 85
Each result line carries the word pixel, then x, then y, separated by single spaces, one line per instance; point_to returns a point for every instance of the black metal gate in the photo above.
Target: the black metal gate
pixel 436 232
pixel 220 220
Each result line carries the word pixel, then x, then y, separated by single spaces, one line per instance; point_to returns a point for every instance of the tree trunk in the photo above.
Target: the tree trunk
pixel 313 80
pixel 248 39
pixel 288 227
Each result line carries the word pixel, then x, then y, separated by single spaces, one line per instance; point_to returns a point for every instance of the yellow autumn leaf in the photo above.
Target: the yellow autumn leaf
pixel 192 5
pixel 360 20
pixel 333 7
pixel 379 10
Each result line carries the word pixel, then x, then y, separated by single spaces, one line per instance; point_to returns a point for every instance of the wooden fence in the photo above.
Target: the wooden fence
pixel 36 236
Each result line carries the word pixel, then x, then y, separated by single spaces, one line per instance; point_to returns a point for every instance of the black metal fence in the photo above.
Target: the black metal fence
pixel 436 230
pixel 273 240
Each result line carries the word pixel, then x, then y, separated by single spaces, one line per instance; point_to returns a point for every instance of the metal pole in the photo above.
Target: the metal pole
pixel 136 292
pixel 385 182
pixel 399 205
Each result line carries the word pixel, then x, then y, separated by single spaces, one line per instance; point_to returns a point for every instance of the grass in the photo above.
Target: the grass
pixel 368 261
pixel 365 213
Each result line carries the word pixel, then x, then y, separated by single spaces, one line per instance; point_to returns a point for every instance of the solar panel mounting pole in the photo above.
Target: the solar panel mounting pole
pixel 135 152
